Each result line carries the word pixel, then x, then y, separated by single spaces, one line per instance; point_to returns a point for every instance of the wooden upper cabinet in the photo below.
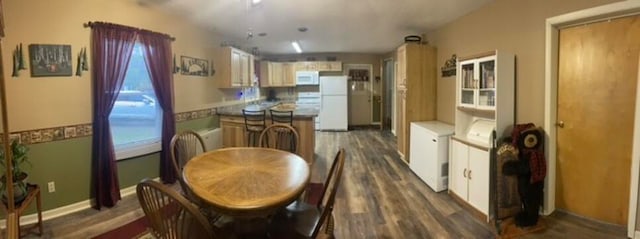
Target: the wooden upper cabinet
pixel 318 66
pixel 277 74
pixel 288 74
pixel 329 66
pixel 235 68
pixel 306 66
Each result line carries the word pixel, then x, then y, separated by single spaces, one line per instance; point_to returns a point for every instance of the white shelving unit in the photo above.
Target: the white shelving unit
pixel 485 93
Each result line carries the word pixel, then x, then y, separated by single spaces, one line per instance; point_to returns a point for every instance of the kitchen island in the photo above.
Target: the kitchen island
pixel 233 127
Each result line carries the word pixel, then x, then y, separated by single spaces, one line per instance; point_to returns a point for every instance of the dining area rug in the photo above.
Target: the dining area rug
pixel 139 228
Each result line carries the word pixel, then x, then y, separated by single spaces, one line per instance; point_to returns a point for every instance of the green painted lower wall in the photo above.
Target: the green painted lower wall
pixel 68 164
pixel 198 124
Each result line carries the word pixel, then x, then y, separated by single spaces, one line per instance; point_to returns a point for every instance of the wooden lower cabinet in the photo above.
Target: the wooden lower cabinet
pixel 234 135
pixel 233 132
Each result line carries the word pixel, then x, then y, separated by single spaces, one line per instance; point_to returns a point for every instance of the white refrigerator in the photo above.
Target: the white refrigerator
pixel 333 103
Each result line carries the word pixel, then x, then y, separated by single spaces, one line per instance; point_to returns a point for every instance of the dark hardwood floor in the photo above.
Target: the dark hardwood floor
pixel 379 198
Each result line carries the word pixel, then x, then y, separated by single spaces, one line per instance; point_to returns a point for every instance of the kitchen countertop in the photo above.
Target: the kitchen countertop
pixel 299 111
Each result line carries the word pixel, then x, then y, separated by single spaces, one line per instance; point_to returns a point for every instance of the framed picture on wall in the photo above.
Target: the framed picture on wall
pixel 194 66
pixel 50 60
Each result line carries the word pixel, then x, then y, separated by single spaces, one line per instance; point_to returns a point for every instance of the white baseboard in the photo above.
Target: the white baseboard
pixel 68 209
pixel 636 235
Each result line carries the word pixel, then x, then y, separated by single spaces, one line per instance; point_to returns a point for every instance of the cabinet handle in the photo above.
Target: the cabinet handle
pixel 434 140
pixel 464 173
pixel 469 174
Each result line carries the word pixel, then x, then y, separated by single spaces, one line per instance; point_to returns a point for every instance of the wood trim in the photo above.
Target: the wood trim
pixel 1 20
pixel 551 94
pixel 474 212
pixel 478 55
pixel 635 162
pixel 470 109
pixel 68 209
pixel 13 230
pixel 470 144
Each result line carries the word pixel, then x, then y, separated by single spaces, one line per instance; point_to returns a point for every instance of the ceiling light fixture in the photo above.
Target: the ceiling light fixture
pixel 296 46
pixel 255 1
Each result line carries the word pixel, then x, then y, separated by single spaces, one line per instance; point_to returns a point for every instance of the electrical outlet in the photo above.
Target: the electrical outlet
pixel 52 186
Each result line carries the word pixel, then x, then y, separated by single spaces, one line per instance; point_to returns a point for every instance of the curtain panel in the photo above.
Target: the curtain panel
pixel 112 46
pixel 159 62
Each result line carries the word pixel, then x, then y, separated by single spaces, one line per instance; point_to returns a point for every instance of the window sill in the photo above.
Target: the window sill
pixel 138 150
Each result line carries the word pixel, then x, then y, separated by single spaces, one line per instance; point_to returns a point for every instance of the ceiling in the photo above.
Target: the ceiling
pixel 356 26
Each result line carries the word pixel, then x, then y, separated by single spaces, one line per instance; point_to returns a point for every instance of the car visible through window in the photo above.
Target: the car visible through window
pixel 134 105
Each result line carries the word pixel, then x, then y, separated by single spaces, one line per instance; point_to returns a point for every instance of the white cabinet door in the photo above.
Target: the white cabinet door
pixel 458 164
pixel 478 176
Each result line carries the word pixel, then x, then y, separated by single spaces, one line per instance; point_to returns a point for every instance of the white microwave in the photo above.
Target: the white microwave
pixel 307 78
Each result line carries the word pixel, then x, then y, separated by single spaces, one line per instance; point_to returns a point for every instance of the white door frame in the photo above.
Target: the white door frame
pixel 369 67
pixel 553 24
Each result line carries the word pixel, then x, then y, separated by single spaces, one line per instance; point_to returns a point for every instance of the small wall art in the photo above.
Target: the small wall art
pixel 82 64
pixel 18 61
pixel 449 68
pixel 194 66
pixel 50 60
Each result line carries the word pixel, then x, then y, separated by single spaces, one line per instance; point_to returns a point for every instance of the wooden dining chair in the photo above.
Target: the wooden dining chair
pixel 255 123
pixel 280 136
pixel 169 214
pixel 184 146
pixel 305 220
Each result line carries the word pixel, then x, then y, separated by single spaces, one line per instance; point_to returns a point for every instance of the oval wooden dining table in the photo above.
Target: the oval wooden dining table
pixel 246 181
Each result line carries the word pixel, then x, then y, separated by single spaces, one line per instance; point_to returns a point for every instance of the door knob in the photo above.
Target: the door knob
pixel 560 124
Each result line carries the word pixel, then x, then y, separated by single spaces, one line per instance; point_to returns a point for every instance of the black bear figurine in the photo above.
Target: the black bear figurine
pixel 530 169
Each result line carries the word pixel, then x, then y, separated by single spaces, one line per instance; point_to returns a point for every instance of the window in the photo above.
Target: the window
pixel 136 117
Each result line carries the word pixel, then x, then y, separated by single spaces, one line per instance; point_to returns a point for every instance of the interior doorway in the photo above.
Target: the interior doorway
pixel 389 88
pixel 553 26
pixel 597 69
pixel 360 93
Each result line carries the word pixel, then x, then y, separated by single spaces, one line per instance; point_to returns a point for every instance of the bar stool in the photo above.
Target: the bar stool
pixel 285 117
pixel 282 117
pixel 254 121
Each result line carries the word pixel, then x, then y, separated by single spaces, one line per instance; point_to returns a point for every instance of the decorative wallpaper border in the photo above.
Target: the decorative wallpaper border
pixel 197 114
pixel 52 134
pixel 83 130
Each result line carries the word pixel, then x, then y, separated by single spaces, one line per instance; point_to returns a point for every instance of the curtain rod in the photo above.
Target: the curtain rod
pixel 90 24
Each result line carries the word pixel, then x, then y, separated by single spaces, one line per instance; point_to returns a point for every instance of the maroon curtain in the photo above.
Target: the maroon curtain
pixel 112 46
pixel 157 55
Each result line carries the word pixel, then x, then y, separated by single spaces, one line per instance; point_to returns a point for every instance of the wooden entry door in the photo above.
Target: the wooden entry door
pixel 597 77
pixel 360 92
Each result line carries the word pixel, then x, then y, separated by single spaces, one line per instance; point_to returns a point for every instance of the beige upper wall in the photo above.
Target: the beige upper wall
pixel 515 26
pixel 57 101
